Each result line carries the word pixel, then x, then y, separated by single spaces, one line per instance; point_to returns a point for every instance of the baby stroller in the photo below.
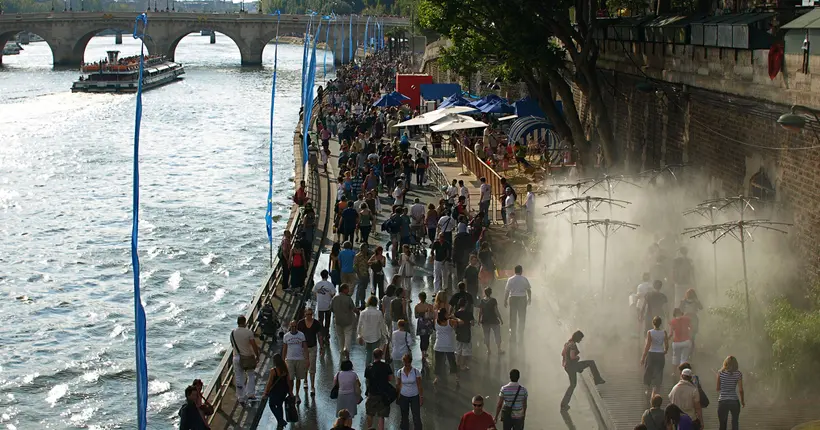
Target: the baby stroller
pixel 416 244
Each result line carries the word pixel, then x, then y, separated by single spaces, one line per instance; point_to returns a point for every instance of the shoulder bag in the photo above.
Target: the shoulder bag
pixel 334 392
pixel 506 411
pixel 291 412
pixel 247 362
pixel 704 399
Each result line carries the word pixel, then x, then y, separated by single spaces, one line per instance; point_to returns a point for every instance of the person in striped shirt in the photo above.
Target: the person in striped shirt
pixel 512 400
pixel 730 389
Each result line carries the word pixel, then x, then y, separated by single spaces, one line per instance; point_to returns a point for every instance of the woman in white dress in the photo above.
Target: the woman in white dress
pixel 406 267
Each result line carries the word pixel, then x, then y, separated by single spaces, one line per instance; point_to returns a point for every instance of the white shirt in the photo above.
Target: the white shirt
pixel 324 291
pixel 417 212
pixel 397 194
pixel 517 286
pixel 530 202
pixel 371 325
pixel 400 344
pixel 465 192
pixel 485 192
pixel 447 224
pixel 294 343
pixel 358 205
pixel 409 381
pixel 509 202
pixel 243 338
pixel 452 192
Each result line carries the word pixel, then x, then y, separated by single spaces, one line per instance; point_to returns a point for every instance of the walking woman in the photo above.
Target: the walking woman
pixel 441 302
pixel 431 221
pixel 490 319
pixel 298 268
pixel 487 274
pixel 284 257
pixel 690 305
pixel 407 267
pixel 654 356
pixel 411 393
pixel 445 346
pixel 675 419
pixel 730 389
pixel 377 263
pixel 425 314
pixel 680 327
pixel 350 388
pixel 365 222
pixel 335 265
pixel 279 387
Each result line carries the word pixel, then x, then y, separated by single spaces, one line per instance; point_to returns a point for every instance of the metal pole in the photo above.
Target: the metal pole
pixel 606 243
pixel 745 275
pixel 589 248
pixel 714 251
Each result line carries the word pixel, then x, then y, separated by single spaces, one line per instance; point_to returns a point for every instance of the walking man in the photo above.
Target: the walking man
pixel 573 365
pixel 512 402
pixel 478 418
pixel 518 295
pixel 295 351
pixel 529 206
pixel 362 269
pixel 314 336
pixel 344 315
pixel 439 256
pixel 346 258
pixel 686 396
pixel 484 200
pixel 245 358
pixel 372 330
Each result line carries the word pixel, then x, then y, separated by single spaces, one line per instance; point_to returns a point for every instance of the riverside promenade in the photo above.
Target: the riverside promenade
pixel 537 355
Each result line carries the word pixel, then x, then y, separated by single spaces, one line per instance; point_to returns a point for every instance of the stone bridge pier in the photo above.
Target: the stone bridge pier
pixel 68 33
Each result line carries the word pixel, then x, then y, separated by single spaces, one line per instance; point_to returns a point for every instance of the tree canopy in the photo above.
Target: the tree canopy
pixel 548 45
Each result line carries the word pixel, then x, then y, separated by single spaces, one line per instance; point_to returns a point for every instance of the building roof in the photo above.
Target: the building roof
pixel 809 20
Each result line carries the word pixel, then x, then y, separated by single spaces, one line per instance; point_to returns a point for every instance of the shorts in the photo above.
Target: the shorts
pixel 375 407
pixel 395 237
pixel 297 369
pixel 464 349
pixel 312 354
pixel 351 279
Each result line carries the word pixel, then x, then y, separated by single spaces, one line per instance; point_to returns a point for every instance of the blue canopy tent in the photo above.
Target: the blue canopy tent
pixel 393 99
pixel 454 100
pixel 438 91
pixel 528 107
pixel 496 106
pixel 489 98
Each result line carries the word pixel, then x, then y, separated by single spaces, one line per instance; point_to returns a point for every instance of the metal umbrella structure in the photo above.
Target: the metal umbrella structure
pixel 606 227
pixel 708 210
pixel 586 204
pixel 611 182
pixel 740 230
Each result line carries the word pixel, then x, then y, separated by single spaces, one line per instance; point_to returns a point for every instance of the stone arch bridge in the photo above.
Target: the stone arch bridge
pixel 68 33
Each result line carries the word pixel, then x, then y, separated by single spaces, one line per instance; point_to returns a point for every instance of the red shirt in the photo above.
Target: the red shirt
pixel 471 421
pixel 681 326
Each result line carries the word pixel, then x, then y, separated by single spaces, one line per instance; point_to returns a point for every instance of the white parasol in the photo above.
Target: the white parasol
pixel 460 123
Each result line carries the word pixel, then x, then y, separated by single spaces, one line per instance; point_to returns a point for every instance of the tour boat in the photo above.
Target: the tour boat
pixel 12 48
pixel 114 75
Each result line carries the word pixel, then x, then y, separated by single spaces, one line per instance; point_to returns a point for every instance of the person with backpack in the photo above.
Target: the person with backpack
pixel 653 418
pixel 380 393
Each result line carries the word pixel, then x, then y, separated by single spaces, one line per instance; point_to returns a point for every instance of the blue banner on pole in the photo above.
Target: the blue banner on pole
pixel 366 31
pixel 309 96
pixel 139 311
pixel 269 211
pixel 327 47
pixel 350 35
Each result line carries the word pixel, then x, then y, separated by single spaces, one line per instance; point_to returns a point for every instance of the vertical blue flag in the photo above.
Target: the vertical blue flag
pixel 366 30
pixel 351 39
pixel 139 312
pixel 269 212
pixel 327 47
pixel 311 77
pixel 304 64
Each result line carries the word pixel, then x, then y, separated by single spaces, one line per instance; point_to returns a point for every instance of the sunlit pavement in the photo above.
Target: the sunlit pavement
pixel 538 357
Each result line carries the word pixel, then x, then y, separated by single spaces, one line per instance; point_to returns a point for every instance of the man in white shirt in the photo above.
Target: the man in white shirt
pixel 463 191
pixel 244 350
pixel 417 214
pixel 530 205
pixel 372 330
pixel 294 349
pixel 398 194
pixel 640 295
pixel 324 292
pixel 484 199
pixel 509 207
pixel 446 225
pixel 517 296
pixel 452 192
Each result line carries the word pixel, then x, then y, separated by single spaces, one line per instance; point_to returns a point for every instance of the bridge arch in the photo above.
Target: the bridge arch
pixel 8 35
pixel 172 42
pixel 81 45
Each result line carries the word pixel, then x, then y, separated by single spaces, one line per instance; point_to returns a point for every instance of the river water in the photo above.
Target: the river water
pixel 66 294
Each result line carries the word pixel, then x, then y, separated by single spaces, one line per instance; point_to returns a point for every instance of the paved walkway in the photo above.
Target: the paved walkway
pixel 537 356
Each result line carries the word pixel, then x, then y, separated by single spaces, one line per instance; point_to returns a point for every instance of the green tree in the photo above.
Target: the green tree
pixel 537 42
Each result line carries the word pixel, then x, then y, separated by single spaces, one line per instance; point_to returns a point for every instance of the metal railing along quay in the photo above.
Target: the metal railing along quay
pixel 228 413
pixel 480 169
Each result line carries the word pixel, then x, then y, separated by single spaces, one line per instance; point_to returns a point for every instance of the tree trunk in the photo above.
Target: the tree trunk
pixel 573 120
pixel 603 123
